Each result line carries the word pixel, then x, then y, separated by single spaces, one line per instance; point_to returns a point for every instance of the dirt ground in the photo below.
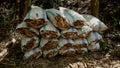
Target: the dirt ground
pixel 88 60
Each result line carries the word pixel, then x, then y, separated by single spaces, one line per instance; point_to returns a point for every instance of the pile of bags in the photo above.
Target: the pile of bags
pixel 50 32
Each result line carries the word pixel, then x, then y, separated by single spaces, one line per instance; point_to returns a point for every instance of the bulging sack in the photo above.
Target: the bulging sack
pixel 49 31
pixel 29 43
pixel 36 17
pixel 80 45
pixel 95 23
pixel 68 52
pixel 27 31
pixel 35 53
pixel 57 18
pixel 81 50
pixel 94 37
pixel 94 46
pixel 47 44
pixel 70 33
pixel 63 44
pixel 50 53
pixel 75 19
pixel 84 31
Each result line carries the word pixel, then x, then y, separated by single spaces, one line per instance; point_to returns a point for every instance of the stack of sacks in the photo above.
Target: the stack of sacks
pixel 62 31
pixel 79 28
pixel 94 37
pixel 87 26
pixel 49 40
pixel 65 45
pixel 34 19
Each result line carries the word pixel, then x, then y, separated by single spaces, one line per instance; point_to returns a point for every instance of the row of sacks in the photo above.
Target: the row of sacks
pixel 35 47
pixel 64 22
pixel 49 31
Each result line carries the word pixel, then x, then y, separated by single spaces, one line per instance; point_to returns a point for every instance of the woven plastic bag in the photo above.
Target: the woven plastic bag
pixel 94 37
pixel 57 18
pixel 84 31
pixel 68 52
pixel 34 54
pixel 75 19
pixel 26 30
pixel 29 43
pixel 94 46
pixel 70 33
pixel 95 23
pixel 49 31
pixel 50 53
pixel 80 45
pixel 47 44
pixel 36 17
pixel 65 47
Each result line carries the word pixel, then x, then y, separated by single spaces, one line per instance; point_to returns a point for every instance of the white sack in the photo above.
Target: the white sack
pixel 36 17
pixel 49 27
pixel 70 33
pixel 47 44
pixel 50 53
pixel 62 42
pixel 35 53
pixel 84 31
pixel 95 23
pixel 94 46
pixel 93 37
pixel 67 52
pixel 73 17
pixel 29 43
pixel 57 18
pixel 25 30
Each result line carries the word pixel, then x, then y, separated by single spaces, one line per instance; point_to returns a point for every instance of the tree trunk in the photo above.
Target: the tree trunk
pixel 95 7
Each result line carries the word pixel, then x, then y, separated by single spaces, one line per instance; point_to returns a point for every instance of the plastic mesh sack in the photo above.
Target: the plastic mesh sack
pixel 75 19
pixel 84 31
pixel 70 33
pixel 94 37
pixel 36 17
pixel 34 54
pixel 47 44
pixel 26 30
pixel 29 43
pixel 68 52
pixel 94 46
pixel 63 44
pixel 95 23
pixel 50 53
pixel 49 31
pixel 80 45
pixel 57 18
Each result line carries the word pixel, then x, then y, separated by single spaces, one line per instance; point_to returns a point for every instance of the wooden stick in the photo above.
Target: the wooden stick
pixel 3 53
pixel 95 7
